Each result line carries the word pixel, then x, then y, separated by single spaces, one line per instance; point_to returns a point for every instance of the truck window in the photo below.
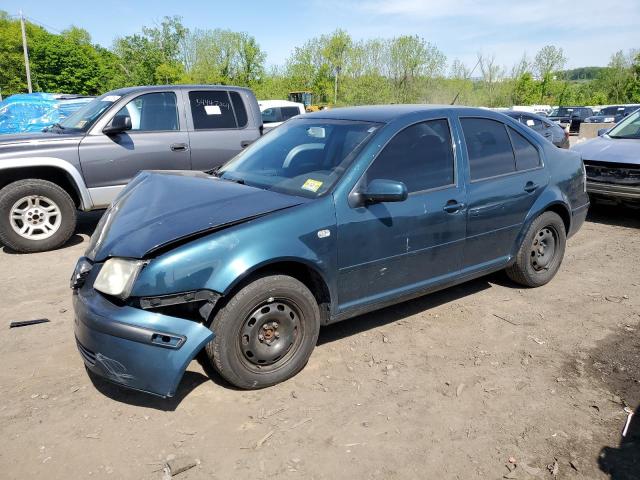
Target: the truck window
pixel 241 111
pixel 288 112
pixel 152 112
pixel 212 109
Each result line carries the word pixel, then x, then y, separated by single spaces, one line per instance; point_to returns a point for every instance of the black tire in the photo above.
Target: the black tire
pixel 23 189
pixel 294 310
pixel 541 252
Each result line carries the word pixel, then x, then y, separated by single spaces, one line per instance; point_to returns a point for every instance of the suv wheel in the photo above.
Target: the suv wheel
pixel 35 216
pixel 541 251
pixel 265 333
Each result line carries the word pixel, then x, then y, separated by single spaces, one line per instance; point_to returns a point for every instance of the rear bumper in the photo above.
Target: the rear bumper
pixel 578 216
pixel 135 348
pixel 612 190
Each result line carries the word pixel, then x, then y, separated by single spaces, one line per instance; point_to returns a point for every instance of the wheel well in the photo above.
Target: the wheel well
pixel 563 212
pixel 51 174
pixel 301 272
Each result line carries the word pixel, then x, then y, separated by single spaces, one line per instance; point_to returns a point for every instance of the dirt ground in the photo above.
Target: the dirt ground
pixel 450 386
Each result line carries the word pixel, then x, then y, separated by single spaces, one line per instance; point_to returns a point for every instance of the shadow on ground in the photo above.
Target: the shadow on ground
pixel 190 381
pixel 399 311
pixel 623 462
pixel 614 215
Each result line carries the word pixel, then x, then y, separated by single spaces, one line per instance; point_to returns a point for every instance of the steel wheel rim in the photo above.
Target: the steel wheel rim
pixel 543 248
pixel 35 217
pixel 270 335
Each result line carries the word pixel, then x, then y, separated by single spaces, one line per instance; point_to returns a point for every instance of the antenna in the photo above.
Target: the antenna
pixel 468 77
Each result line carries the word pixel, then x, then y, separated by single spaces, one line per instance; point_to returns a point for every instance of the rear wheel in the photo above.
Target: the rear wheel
pixel 265 333
pixel 541 251
pixel 35 216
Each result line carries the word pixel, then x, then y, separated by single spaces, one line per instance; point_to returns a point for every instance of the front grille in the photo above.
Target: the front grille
pixel 609 172
pixel 87 354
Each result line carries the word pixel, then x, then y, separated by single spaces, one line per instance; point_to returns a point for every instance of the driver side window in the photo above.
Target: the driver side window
pixel 152 112
pixel 420 156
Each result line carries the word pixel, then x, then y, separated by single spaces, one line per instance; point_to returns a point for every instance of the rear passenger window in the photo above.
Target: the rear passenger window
pixel 489 148
pixel 241 111
pixel 288 112
pixel 420 156
pixel 527 156
pixel 211 109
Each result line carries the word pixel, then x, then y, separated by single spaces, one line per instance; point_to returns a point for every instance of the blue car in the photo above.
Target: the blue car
pixel 332 215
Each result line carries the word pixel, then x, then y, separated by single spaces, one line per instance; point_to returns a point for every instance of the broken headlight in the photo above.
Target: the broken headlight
pixel 117 276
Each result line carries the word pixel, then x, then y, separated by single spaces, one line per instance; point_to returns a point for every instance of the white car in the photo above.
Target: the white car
pixel 275 112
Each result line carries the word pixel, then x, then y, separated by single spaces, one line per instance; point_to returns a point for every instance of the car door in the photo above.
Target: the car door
pixel 219 126
pixel 157 140
pixel 386 249
pixel 506 177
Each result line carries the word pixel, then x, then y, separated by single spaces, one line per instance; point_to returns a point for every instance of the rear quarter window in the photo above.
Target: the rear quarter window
pixel 527 156
pixel 241 111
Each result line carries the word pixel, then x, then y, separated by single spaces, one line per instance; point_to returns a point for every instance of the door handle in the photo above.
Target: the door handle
pixel 179 147
pixel 453 206
pixel 245 143
pixel 530 187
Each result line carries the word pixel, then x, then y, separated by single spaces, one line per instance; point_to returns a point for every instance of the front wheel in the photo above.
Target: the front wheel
pixel 541 251
pixel 35 216
pixel 265 333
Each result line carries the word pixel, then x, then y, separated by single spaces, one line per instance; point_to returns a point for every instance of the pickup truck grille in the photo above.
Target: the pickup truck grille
pixel 607 172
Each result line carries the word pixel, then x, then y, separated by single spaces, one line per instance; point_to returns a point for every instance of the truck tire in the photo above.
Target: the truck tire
pixel 265 333
pixel 541 252
pixel 35 216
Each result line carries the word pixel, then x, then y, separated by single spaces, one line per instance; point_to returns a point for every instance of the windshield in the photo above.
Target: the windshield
pixel 82 120
pixel 611 111
pixel 301 157
pixel 628 128
pixel 562 112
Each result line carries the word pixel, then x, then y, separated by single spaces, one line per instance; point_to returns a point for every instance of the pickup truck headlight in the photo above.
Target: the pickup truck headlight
pixel 117 276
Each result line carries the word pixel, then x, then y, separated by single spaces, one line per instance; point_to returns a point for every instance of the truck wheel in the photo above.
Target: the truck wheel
pixel 541 251
pixel 35 216
pixel 265 333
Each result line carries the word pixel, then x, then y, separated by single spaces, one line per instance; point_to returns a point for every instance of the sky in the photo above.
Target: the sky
pixel 589 31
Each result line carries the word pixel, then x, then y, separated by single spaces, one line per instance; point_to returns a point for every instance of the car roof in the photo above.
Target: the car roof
pixel 388 113
pixel 279 103
pixel 515 113
pixel 153 88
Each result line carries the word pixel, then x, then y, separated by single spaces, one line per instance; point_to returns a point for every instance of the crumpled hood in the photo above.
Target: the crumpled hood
pixel 159 208
pixel 606 149
pixel 33 142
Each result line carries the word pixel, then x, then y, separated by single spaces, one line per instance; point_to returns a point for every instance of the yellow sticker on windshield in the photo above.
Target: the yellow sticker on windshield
pixel 311 185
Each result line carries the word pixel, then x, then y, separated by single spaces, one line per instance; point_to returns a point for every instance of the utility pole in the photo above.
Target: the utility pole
pixel 26 52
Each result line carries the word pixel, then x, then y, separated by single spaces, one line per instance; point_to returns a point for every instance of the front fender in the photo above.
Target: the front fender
pixel 219 261
pixel 63 165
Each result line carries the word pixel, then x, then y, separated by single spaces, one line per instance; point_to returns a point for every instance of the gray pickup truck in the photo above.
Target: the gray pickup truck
pixel 83 162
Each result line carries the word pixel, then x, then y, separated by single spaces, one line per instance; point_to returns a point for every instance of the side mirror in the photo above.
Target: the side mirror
pixel 118 124
pixel 603 131
pixel 381 190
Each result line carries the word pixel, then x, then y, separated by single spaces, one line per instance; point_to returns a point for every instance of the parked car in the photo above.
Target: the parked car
pixel 274 112
pixel 333 214
pixel 550 130
pixel 612 161
pixel 570 116
pixel 612 114
pixel 33 112
pixel 85 160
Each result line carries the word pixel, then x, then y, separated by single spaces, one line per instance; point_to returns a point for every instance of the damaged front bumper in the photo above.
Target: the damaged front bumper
pixel 135 348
